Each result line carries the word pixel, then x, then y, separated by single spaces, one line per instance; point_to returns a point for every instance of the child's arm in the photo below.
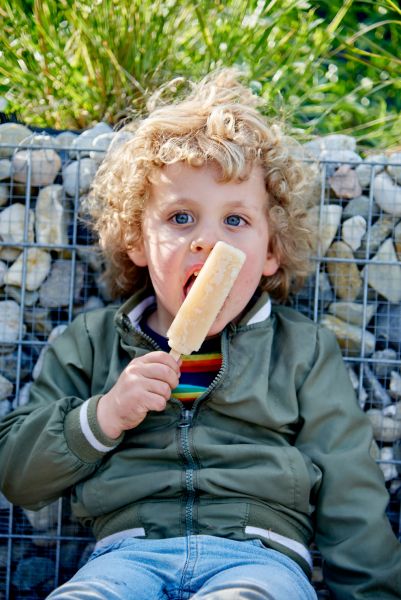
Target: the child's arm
pixel 55 440
pixel 362 556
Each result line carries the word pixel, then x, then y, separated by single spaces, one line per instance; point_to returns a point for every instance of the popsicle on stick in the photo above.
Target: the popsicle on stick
pixel 205 299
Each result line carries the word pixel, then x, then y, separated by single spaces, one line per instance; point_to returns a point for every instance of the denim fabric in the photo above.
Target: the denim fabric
pixel 195 567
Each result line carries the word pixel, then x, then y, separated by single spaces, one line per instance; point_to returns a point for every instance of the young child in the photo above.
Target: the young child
pixel 206 479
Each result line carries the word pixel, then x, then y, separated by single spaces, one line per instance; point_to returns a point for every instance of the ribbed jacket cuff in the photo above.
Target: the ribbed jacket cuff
pixel 84 435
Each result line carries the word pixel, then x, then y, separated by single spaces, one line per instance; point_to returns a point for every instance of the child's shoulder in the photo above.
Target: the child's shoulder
pixel 96 322
pixel 289 315
pixel 305 335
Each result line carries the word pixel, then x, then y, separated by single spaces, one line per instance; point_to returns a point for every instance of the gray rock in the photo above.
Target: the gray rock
pixel 4 503
pixel 5 408
pixel 58 330
pixel 394 167
pixel 5 169
pixel 385 278
pixel 12 134
pixel 100 145
pixel 326 294
pixel 83 143
pixel 50 216
pixel 104 290
pixel 371 166
pixel 375 236
pixel 345 183
pixel 9 253
pixel 353 230
pixel 333 159
pixel 394 411
pixel 3 269
pixel 304 297
pixel 388 325
pixel 387 194
pixel 349 336
pixel 353 377
pixel 23 396
pixel 92 257
pixel 359 206
pixel 43 519
pixel 325 221
pixel 352 312
pixel 45 164
pixel 397 456
pixel 376 393
pixel 12 223
pixel 10 362
pixel 384 362
pixel 395 385
pixel 385 429
pixel 15 293
pixel 9 325
pixel 78 176
pixel 389 469
pixel 334 141
pixel 38 140
pixel 55 291
pixel 4 193
pixel 397 239
pixel 6 388
pixel 38 320
pixel 65 139
pixel 37 268
pixel 31 572
pixel 344 276
pixel 93 303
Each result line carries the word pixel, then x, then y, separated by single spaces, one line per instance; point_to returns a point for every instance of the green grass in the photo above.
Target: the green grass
pixel 322 66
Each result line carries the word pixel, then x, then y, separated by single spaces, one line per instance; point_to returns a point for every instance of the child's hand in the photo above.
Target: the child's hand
pixel 144 385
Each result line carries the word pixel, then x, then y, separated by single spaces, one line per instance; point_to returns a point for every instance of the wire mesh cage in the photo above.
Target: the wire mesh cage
pixel 50 271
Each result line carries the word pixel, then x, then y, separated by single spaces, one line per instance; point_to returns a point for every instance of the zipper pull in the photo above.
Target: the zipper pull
pixel 186 418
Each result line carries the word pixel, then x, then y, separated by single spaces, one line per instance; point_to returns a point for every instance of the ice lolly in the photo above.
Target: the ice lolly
pixel 205 299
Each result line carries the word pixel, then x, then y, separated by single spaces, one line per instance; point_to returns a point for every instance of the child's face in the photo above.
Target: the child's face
pixel 188 212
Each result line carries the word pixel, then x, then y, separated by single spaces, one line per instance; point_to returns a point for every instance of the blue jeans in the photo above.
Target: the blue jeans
pixel 197 567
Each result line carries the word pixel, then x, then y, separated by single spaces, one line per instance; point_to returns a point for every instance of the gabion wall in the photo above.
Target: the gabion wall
pixel 50 271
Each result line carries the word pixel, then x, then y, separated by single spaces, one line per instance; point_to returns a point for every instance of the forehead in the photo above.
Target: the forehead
pixel 182 180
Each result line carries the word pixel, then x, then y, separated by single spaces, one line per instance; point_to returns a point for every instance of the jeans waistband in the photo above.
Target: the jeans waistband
pixel 287 542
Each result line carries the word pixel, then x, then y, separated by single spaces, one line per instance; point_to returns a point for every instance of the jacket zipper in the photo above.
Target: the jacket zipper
pixel 185 425
pixel 220 374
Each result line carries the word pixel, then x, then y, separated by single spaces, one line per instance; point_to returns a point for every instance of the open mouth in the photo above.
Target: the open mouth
pixel 190 281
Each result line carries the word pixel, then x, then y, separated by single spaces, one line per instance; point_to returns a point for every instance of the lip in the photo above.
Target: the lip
pixel 188 273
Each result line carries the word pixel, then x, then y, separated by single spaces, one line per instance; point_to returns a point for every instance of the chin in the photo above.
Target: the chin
pixel 218 327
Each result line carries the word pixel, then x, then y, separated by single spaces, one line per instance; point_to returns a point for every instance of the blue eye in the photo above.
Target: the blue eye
pixel 182 218
pixel 234 220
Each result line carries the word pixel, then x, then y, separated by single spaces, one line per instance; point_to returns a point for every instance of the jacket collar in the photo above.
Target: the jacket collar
pixel 130 313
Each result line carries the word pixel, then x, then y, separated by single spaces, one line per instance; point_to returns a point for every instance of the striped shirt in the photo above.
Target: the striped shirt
pixel 198 370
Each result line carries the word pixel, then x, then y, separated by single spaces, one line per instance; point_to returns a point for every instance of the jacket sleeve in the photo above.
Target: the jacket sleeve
pixel 54 441
pixel 361 555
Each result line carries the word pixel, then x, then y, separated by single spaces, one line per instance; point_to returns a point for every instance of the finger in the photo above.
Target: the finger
pixel 154 401
pixel 160 388
pixel 155 371
pixel 160 357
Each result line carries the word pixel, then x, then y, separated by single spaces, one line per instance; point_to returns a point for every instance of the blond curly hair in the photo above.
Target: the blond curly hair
pixel 217 122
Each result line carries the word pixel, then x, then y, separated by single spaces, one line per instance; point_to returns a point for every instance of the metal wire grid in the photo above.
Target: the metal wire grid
pixel 38 552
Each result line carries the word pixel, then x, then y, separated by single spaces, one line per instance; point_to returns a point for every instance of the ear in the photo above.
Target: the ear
pixel 138 255
pixel 271 264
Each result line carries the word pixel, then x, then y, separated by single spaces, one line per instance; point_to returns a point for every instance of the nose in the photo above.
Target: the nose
pixel 201 244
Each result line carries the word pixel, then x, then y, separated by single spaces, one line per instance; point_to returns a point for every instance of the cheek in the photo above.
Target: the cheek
pixel 163 263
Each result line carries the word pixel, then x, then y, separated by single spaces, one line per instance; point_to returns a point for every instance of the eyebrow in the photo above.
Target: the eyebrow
pixel 178 200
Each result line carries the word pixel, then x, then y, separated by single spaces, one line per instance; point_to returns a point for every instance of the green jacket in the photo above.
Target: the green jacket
pixel 277 448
